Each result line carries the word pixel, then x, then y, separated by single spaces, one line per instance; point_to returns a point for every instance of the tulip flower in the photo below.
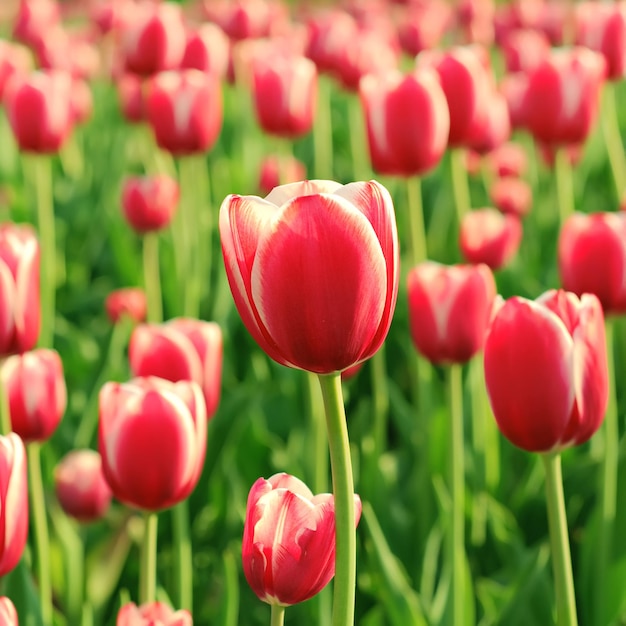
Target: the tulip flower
pixel 511 196
pixel 524 50
pixel 326 35
pixel 180 349
pixel 152 439
pixel 208 50
pixel 449 310
pixel 508 160
pixel 288 549
pixel 185 110
pixel 33 18
pixel 422 26
pixel 14 59
pixel 149 203
pixel 494 128
pixel 276 170
pixel 37 394
pixel 513 87
pixel 19 288
pixel 8 614
pixel 80 487
pixel 152 613
pixel 242 19
pixel 341 242
pixel 130 301
pixel 14 501
pixel 130 96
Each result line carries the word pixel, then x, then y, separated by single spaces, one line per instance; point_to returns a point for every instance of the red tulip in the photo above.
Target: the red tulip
pixel 513 87
pixel 494 128
pixel 152 439
pixel 524 50
pixel 288 549
pixel 511 195
pixel 546 370
pixel 181 349
pixel 152 614
pixel 207 50
pixel 130 302
pixel 131 99
pixel 319 247
pixel 185 111
pixel 475 17
pixel 37 394
pixel 507 160
pixel 13 502
pixel 422 26
pixel 407 121
pixel 487 236
pixel 326 37
pixel 8 614
pixel 149 203
pixel 592 258
pixel 19 289
pixel 39 109
pixel 80 487
pixel 242 19
pixel 449 310
pixel 14 59
pixel 276 170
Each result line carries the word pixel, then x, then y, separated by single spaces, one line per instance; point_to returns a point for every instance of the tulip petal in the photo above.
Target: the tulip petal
pixel 283 193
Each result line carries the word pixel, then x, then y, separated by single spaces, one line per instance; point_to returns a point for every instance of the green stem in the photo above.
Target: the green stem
pixel 343 490
pixel 40 530
pixel 323 133
pixel 319 447
pixel 559 542
pixel 418 247
pixel 278 615
pixel 479 444
pixel 152 277
pixel 612 139
pixel 380 397
pixel 358 147
pixel 564 184
pixel 5 409
pixel 457 491
pixel 183 561
pixel 460 184
pixel 147 576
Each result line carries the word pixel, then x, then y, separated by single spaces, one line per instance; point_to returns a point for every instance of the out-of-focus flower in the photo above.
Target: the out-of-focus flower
pixel 130 96
pixel 33 18
pixel 8 614
pixel 14 59
pixel 509 159
pixel 208 50
pixel 152 614
pixel 276 170
pixel 150 202
pixel 524 50
pixel 129 301
pixel 421 26
pixel 511 195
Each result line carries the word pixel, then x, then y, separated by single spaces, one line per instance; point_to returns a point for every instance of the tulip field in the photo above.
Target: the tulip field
pixel 311 313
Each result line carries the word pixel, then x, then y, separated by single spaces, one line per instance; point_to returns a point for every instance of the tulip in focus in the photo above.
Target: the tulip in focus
pixel 8 614
pixel 288 549
pixel 277 169
pixel 152 440
pixel 80 487
pixel 37 393
pixel 152 614
pixel 129 301
pixel 149 203
pixel 449 310
pixel 546 370
pixel 511 196
pixel 316 247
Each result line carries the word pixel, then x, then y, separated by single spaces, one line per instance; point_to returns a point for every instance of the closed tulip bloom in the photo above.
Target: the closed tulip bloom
pixel 152 614
pixel 422 26
pixel 152 439
pixel 208 50
pixel 592 258
pixel 407 121
pixel 327 34
pixel 494 128
pixel 513 87
pixel 39 109
pixel 512 196
pixel 13 502
pixel 276 170
pixel 150 202
pixel 241 19
pixel 509 159
pixel 80 487
pixel 14 59
pixel 316 247
pixel 524 50
pixel 487 236
pixel 8 614
pixel 185 111
pixel 180 349
pixel 288 549
pixel 129 301
pixel 20 313
pixel 130 97
pixel 546 370
pixel 449 310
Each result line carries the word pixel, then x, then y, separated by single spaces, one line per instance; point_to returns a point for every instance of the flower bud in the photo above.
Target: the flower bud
pixel 511 195
pixel 208 50
pixel 130 301
pixel 149 203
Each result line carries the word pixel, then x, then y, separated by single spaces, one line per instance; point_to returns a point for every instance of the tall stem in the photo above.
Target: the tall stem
pixel 183 561
pixel 418 248
pixel 278 615
pixel 5 409
pixel 319 447
pixel 460 184
pixel 147 575
pixel 40 530
pixel 380 393
pixel 612 139
pixel 323 133
pixel 564 184
pixel 152 277
pixel 358 149
pixel 559 542
pixel 343 490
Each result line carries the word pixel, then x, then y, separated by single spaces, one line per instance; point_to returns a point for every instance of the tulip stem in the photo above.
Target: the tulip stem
pixel 147 574
pixel 559 542
pixel 323 132
pixel 319 448
pixel 612 139
pixel 457 491
pixel 183 561
pixel 360 168
pixel 380 393
pixel 460 184
pixel 564 184
pixel 343 490
pixel 5 409
pixel 152 277
pixel 418 247
pixel 40 530
pixel 278 615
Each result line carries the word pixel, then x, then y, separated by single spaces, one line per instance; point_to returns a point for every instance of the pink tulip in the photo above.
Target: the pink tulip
pixel 288 549
pixel 513 87
pixel 130 302
pixel 8 614
pixel 509 159
pixel 14 59
pixel 130 96
pixel 276 170
pixel 149 203
pixel 494 128
pixel 242 19
pixel 546 370
pixel 512 196
pixel 208 50
pixel 33 18
pixel 422 26
pixel 319 247
pixel 524 50
pixel 152 614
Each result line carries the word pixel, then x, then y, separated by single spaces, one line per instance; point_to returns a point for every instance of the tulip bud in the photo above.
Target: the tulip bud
pixel 151 614
pixel 449 310
pixel 320 247
pixel 276 170
pixel 494 128
pixel 407 121
pixel 546 370
pixel 185 111
pixel 37 394
pixel 149 203
pixel 130 302
pixel 130 95
pixel 181 349
pixel 207 50
pixel 8 614
pixel 81 489
pixel 152 439
pixel 511 195
pixel 19 288
pixel 288 548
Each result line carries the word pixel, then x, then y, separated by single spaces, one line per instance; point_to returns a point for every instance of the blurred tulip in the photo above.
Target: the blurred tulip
pixel 152 439
pixel 524 50
pixel 207 50
pixel 573 152
pixel 511 195
pixel 319 247
pixel 449 310
pixel 152 614
pixel 130 96
pixel 39 109
pixel 241 19
pixel 276 170
pixel 473 162
pixel 180 349
pixel 8 614
pixel 288 549
pixel 185 111
pixel 407 121
pixel 80 487
pixel 494 128
pixel 546 370
pixel 20 313
pixel 14 59
pixel 509 159
pixel 475 17
pixel 326 37
pixel 130 301
pixel 35 17
pixel 513 87
pixel 150 202
pixel 487 236
pixel 13 501
pixel 421 26
pixel 81 102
